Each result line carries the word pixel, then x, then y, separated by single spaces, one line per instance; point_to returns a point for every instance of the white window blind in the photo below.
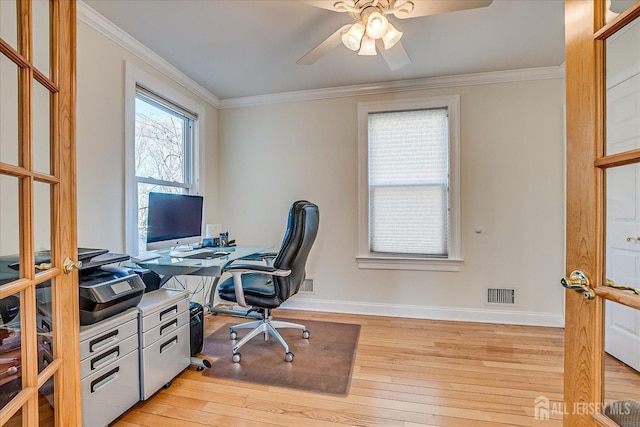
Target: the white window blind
pixel 408 164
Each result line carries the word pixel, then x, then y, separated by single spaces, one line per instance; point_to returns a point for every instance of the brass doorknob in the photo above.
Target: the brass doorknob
pixel 578 281
pixel 68 265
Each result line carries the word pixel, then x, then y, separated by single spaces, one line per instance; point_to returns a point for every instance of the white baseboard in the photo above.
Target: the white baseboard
pixel 510 317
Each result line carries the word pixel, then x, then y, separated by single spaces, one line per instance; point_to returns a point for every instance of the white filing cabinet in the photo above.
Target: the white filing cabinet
pixel 164 338
pixel 109 368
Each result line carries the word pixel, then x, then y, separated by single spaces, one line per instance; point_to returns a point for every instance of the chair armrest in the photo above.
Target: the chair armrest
pixel 237 270
pixel 267 257
pixel 252 268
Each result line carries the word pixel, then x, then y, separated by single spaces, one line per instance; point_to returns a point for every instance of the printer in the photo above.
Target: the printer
pixel 104 288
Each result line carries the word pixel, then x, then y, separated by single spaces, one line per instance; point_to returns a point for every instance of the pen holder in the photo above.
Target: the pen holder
pixel 224 239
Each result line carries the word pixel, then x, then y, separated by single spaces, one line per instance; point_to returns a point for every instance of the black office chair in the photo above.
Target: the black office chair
pixel 265 287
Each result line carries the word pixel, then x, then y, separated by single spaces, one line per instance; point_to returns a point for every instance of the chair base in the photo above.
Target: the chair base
pixel 268 327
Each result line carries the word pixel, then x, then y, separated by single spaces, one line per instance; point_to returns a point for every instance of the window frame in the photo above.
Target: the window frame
pixel 367 259
pixel 135 78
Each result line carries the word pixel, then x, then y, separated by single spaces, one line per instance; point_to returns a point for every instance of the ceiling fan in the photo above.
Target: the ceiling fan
pixel 372 28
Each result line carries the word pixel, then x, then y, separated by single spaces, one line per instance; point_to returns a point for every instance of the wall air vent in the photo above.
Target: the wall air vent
pixel 501 296
pixel 307 285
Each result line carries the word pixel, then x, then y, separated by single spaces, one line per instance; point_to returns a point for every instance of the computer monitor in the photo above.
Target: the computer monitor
pixel 173 220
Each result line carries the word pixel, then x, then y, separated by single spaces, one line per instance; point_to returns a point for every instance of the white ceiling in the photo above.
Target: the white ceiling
pixel 237 48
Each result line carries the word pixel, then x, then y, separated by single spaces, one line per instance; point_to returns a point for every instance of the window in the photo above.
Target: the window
pixel 162 148
pixel 409 198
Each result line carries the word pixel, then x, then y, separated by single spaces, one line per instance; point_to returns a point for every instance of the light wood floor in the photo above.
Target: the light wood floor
pixel 407 373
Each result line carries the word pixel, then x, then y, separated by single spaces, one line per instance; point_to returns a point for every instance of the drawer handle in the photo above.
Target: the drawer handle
pixel 105 379
pixel 169 310
pixel 103 341
pixel 173 341
pixel 105 359
pixel 172 324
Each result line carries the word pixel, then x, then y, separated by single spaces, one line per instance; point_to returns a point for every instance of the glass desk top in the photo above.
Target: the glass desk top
pixel 173 266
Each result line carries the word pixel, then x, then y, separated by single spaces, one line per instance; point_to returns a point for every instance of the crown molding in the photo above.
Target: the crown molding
pixel 89 16
pixel 542 73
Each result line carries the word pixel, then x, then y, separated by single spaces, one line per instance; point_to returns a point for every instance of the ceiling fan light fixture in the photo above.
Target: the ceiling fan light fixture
pixel 391 37
pixel 353 36
pixel 377 25
pixel 368 47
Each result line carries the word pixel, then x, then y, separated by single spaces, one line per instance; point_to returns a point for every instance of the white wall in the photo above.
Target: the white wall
pixel 100 140
pixel 512 187
pixel 265 157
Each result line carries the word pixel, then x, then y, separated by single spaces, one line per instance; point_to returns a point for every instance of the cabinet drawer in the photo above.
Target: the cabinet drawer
pixel 115 352
pixel 163 360
pixel 92 344
pixel 164 313
pixel 165 329
pixel 109 392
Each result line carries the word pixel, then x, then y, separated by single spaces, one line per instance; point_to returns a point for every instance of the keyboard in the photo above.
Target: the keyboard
pixel 190 254
pixel 206 255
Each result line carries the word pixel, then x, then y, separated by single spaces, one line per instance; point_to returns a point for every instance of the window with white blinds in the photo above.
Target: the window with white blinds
pixel 409 182
pixel 409 196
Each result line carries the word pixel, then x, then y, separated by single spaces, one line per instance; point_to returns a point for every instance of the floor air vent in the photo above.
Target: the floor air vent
pixel 501 296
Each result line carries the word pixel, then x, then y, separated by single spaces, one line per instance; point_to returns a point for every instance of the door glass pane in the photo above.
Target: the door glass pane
pixel 622 323
pixel 46 414
pixel 9 225
pixel 41 36
pixel 16 420
pixel 44 325
pixel 10 349
pixel 8 110
pixel 8 20
pixel 623 89
pixel 41 127
pixel 616 7
pixel 621 392
pixel 42 217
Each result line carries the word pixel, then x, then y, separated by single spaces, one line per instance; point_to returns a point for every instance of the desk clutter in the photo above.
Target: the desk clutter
pixel 134 337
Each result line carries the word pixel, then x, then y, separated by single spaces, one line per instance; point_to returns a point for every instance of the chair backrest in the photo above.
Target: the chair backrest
pixel 302 228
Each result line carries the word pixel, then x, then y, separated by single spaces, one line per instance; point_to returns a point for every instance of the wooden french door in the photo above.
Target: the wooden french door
pixel 39 322
pixel 596 171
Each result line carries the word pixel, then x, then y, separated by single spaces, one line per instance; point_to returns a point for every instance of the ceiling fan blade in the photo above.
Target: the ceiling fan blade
pixel 323 4
pixel 331 42
pixel 396 57
pixel 434 7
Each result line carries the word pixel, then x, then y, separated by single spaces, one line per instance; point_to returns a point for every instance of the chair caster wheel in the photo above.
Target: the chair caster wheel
pixel 233 335
pixel 305 334
pixel 288 357
pixel 236 357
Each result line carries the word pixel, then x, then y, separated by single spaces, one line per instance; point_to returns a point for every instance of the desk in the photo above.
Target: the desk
pixel 168 267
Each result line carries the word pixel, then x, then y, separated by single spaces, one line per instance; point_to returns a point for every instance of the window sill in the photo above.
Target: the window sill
pixel 409 263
